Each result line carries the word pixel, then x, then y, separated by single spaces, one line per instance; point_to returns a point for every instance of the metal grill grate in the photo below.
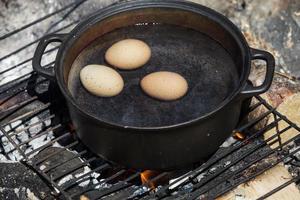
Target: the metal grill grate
pixel 63 157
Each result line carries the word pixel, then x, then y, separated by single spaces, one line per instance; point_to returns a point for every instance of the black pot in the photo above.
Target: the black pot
pixel 212 54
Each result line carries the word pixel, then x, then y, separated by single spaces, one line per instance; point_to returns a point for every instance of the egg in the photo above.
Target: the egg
pixel 164 85
pixel 101 80
pixel 128 54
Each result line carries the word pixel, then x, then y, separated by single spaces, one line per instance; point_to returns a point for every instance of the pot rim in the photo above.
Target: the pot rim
pixel 140 4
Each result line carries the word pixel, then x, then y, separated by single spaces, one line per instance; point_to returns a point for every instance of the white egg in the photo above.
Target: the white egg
pixel 128 54
pixel 101 80
pixel 164 85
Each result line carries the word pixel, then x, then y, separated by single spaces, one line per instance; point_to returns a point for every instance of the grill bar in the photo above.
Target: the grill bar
pixel 48 144
pixel 32 43
pixel 39 161
pixel 113 189
pixel 18 146
pixel 99 183
pixel 12 96
pixel 252 123
pixel 39 20
pixel 255 106
pixel 82 179
pixel 20 64
pixel 40 134
pixel 64 162
pixel 13 83
pixel 69 171
pixel 12 142
pixel 15 108
pixel 47 179
pixel 28 115
pixel 198 185
pixel 258 173
pixel 278 114
pixel 200 192
pixel 16 132
pixel 189 177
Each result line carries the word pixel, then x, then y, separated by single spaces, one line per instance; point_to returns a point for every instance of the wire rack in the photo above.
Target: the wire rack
pixel 30 96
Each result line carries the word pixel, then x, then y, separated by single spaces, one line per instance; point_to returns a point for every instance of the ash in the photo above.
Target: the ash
pixel 10 155
pixel 293 166
pixel 17 13
pixel 8 150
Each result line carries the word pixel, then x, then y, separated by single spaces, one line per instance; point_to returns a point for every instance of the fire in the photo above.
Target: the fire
pixel 239 136
pixel 146 177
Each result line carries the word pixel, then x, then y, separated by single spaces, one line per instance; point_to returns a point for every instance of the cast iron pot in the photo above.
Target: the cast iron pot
pixel 135 130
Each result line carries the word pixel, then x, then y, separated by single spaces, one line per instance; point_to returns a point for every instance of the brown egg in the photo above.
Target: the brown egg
pixel 128 54
pixel 101 80
pixel 164 85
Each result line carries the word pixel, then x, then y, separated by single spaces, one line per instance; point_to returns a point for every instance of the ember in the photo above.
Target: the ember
pixel 146 177
pixel 239 136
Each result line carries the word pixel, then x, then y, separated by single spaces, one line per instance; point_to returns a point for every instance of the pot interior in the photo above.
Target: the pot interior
pixel 191 44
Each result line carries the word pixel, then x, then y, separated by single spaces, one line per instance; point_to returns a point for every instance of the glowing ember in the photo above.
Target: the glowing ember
pixel 239 136
pixel 146 177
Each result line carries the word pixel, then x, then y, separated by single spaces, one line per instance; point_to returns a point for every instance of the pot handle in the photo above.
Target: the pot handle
pixel 38 54
pixel 250 90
